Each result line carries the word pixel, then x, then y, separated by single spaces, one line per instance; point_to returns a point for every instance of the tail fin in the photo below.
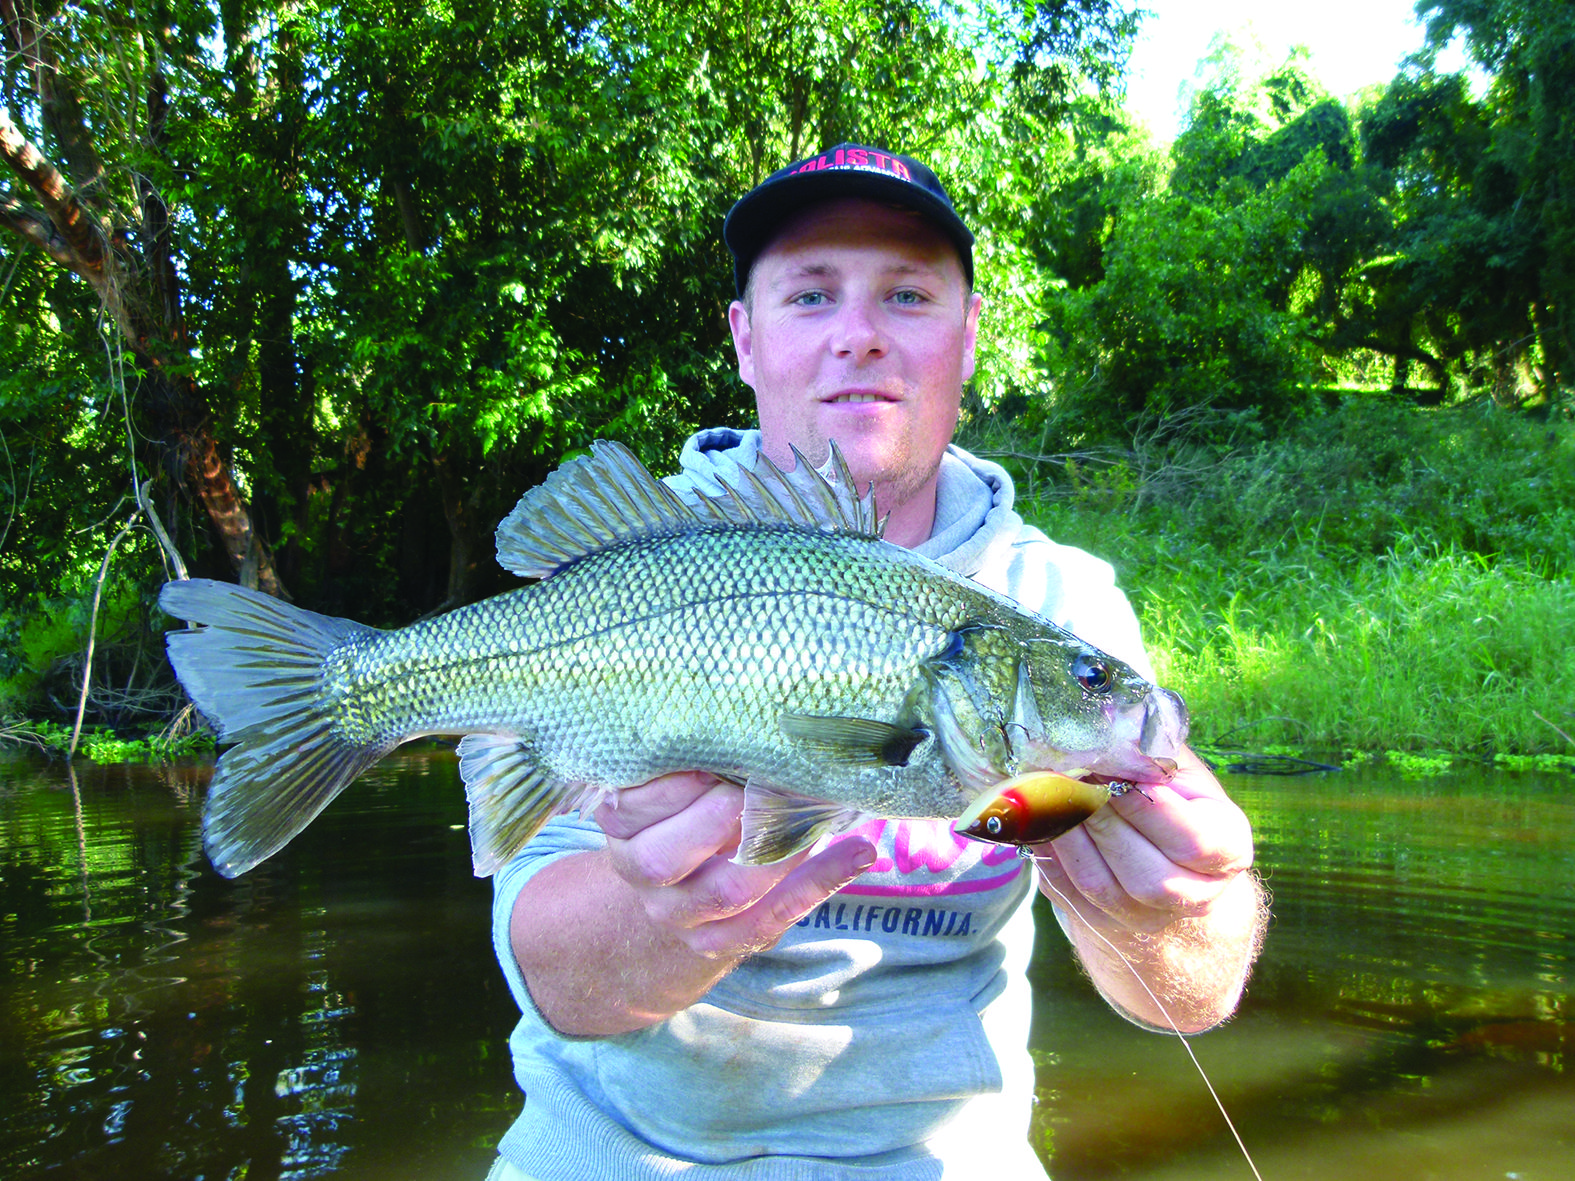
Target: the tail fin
pixel 255 670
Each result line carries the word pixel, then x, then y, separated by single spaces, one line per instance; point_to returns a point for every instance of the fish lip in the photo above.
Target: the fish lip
pixel 1165 771
pixel 1165 724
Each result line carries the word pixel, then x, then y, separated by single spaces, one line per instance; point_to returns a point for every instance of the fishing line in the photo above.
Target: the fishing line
pixel 1024 851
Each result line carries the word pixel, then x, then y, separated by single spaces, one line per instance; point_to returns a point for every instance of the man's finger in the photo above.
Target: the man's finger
pixel 1117 868
pixel 805 887
pixel 1084 884
pixel 669 849
pixel 716 891
pixel 626 812
pixel 1203 833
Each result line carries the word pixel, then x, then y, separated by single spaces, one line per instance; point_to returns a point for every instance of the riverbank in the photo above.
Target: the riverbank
pixel 1383 579
pixel 1377 580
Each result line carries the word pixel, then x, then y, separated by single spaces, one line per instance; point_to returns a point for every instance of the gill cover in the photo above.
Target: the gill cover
pixel 972 686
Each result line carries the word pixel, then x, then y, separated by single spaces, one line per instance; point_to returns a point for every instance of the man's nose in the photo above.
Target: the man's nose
pixel 858 333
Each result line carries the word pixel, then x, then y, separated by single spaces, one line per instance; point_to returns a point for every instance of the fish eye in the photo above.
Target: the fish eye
pixel 956 642
pixel 1094 675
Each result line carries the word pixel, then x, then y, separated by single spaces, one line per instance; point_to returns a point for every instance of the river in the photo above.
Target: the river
pixel 337 1011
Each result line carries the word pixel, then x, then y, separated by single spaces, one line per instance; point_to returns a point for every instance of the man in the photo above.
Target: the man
pixel 859 1010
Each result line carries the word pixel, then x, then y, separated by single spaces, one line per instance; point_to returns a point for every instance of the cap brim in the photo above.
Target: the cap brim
pixel 759 214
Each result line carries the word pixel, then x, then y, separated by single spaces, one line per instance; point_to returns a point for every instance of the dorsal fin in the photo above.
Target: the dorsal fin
pixel 598 500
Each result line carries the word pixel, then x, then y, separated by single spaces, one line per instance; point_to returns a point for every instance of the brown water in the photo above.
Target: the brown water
pixel 337 1012
pixel 1410 1019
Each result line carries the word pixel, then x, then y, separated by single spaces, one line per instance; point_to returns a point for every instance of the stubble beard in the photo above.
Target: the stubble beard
pixel 895 483
pixel 903 486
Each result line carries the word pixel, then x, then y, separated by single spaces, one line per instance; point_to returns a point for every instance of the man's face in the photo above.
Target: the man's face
pixel 861 329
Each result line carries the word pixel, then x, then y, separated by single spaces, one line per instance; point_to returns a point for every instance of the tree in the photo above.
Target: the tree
pixel 1198 297
pixel 380 265
pixel 88 197
pixel 1480 274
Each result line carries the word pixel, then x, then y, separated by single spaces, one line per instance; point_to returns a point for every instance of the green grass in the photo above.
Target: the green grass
pixel 1417 649
pixel 180 739
pixel 1384 579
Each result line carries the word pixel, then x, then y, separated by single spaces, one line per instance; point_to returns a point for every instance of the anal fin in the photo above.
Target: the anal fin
pixel 777 825
pixel 511 796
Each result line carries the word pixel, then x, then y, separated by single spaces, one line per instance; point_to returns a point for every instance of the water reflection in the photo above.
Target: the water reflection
pixel 1410 1018
pixel 158 1021
pixel 336 1011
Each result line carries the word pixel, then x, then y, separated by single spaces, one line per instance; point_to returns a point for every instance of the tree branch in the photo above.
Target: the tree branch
pixel 70 219
pixel 62 112
pixel 32 226
pixel 156 215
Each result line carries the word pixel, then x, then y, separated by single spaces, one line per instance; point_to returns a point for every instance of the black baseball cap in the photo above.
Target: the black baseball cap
pixel 847 170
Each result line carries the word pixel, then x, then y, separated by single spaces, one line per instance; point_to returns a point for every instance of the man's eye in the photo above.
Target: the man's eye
pixel 810 299
pixel 908 298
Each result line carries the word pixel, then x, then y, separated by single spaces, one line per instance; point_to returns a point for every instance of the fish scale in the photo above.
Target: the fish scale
pixel 766 634
pixel 729 622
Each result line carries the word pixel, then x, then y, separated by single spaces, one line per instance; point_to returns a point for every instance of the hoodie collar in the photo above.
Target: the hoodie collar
pixel 975 523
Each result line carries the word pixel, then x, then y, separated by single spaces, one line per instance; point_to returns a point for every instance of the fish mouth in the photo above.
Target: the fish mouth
pixel 1165 768
pixel 1165 725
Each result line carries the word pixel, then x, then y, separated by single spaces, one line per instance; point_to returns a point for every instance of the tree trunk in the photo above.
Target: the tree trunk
pixel 76 226
pixel 460 504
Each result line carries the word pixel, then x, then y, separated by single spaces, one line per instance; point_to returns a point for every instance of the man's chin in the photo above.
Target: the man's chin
pixel 869 456
pixel 872 451
pixel 896 478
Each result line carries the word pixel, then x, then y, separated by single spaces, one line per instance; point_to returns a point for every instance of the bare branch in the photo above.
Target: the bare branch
pixel 87 660
pixel 70 220
pixel 32 226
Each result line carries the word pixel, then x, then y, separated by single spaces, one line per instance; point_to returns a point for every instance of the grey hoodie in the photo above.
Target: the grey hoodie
pixel 885 1028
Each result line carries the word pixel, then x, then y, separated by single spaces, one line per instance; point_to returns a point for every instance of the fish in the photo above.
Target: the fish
pixel 760 629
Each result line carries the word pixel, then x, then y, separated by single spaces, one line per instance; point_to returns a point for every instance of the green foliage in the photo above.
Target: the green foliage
pixel 1191 312
pixel 1212 289
pixel 103 745
pixel 1295 241
pixel 1484 258
pixel 1257 129
pixel 46 637
pixel 421 252
pixel 411 255
pixel 1416 765
pixel 1373 578
pixel 1542 762
pixel 1419 647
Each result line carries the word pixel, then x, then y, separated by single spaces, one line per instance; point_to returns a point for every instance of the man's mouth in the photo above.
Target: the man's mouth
pixel 855 396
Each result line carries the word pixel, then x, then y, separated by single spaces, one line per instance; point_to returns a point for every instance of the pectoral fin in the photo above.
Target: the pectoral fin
pixel 862 741
pixel 776 825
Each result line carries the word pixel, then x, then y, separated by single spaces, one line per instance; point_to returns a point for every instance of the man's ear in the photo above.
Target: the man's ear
pixel 971 333
pixel 743 341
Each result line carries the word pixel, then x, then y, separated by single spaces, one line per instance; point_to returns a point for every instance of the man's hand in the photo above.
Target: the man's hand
pixel 672 841
pixel 616 940
pixel 1161 874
